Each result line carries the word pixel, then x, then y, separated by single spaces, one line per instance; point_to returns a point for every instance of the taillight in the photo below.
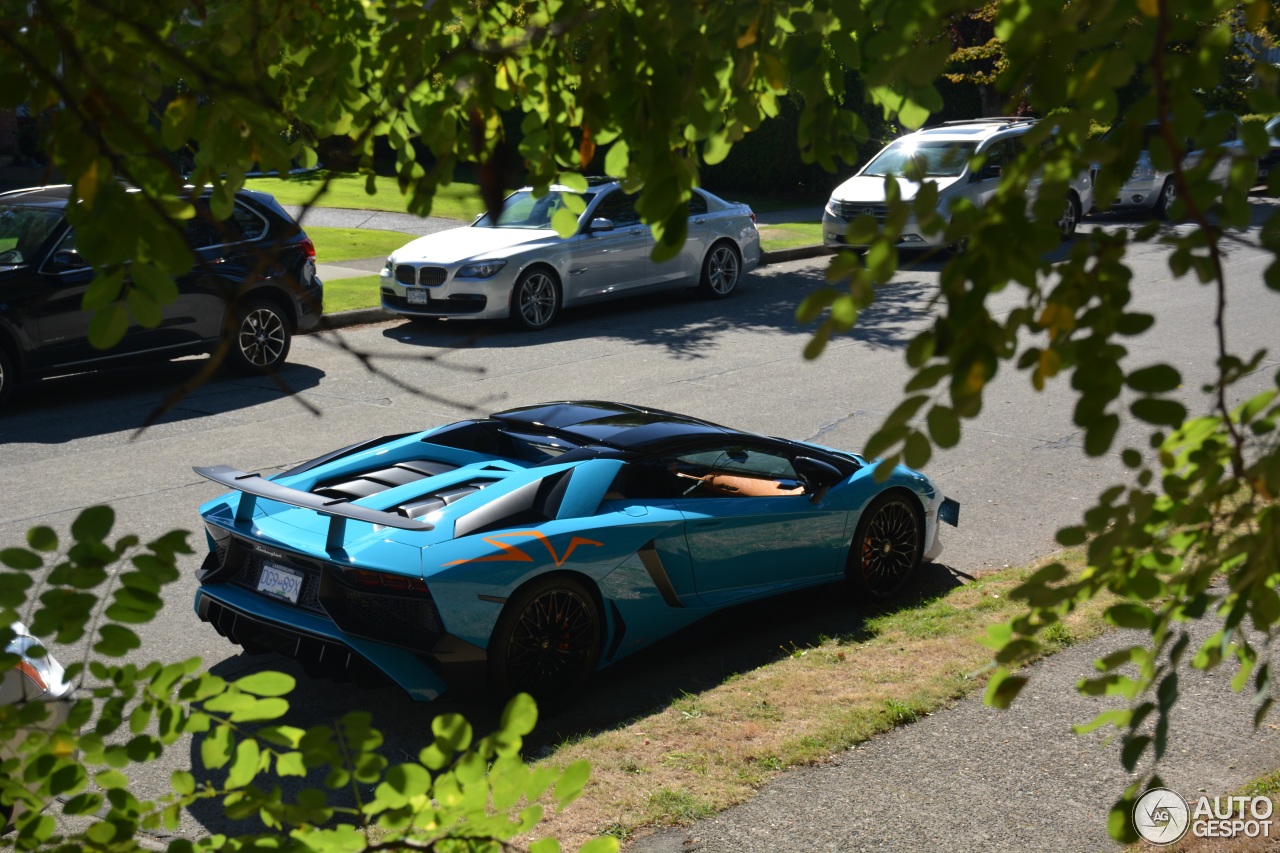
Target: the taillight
pixel 752 214
pixel 366 579
pixel 310 248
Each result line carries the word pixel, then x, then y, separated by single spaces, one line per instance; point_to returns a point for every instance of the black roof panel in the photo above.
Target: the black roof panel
pixel 614 424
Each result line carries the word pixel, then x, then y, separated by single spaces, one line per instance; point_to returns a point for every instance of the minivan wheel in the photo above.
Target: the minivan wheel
pixel 262 338
pixel 1070 219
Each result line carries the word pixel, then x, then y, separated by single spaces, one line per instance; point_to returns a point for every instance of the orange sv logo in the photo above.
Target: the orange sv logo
pixel 515 554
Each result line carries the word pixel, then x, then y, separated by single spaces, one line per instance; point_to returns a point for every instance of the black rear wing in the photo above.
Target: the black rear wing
pixel 254 486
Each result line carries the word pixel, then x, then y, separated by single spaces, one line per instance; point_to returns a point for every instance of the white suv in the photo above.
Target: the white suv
pixel 945 155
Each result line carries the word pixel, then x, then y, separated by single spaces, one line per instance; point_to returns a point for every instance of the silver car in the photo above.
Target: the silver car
pixel 31 679
pixel 516 266
pixel 1151 187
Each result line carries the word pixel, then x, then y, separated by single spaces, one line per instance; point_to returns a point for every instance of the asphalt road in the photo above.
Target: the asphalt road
pixel 1019 473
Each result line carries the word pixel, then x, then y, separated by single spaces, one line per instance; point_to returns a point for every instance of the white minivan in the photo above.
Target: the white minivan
pixel 944 154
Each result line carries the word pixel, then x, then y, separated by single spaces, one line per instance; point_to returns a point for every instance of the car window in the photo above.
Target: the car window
pixel 522 210
pixel 241 226
pixel 733 471
pixel 697 205
pixel 250 225
pixel 23 231
pixel 929 159
pixel 619 207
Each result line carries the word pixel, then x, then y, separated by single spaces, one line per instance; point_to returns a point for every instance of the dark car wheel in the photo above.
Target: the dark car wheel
pixel 887 547
pixel 262 338
pixel 547 641
pixel 1168 195
pixel 721 269
pixel 535 300
pixel 8 377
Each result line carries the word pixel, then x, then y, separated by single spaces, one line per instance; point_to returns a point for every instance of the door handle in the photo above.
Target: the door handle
pixel 699 221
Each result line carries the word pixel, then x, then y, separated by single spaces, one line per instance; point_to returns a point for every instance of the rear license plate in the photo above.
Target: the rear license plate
pixel 416 297
pixel 949 512
pixel 279 582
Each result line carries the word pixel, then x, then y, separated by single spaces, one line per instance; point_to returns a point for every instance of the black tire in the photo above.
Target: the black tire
pixel 887 547
pixel 547 641
pixel 1070 218
pixel 8 378
pixel 535 300
pixel 262 338
pixel 1168 195
pixel 721 271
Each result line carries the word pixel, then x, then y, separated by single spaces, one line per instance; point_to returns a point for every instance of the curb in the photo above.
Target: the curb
pixel 361 316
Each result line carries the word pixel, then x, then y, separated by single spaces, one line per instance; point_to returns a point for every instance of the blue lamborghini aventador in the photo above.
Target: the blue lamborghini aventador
pixel 532 547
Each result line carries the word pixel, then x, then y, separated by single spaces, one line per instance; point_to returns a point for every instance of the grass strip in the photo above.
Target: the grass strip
pixel 348 294
pixel 790 235
pixel 346 244
pixel 708 751
pixel 459 200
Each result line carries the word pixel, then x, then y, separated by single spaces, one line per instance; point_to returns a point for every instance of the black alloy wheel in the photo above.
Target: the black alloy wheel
pixel 721 270
pixel 262 338
pixel 547 641
pixel 8 377
pixel 888 545
pixel 535 300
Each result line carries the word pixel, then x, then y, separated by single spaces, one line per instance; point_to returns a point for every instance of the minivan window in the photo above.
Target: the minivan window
pixel 23 231
pixel 935 159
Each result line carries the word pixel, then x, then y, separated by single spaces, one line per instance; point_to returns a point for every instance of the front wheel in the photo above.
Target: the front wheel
pixel 721 270
pixel 262 338
pixel 547 641
pixel 1070 219
pixel 1168 195
pixel 887 547
pixel 535 300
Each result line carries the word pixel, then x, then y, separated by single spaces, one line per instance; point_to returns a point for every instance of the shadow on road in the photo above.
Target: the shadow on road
pixel 686 326
pixel 65 408
pixel 696 659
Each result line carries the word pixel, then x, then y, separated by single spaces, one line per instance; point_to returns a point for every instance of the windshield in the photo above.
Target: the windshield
pixel 522 210
pixel 23 230
pixel 913 158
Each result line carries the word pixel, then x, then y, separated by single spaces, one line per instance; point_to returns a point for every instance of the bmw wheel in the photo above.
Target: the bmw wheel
pixel 262 338
pixel 1168 195
pixel 547 641
pixel 887 547
pixel 721 269
pixel 535 300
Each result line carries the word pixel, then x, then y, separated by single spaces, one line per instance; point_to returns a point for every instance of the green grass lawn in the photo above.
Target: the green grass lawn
pixel 458 200
pixel 348 294
pixel 345 244
pixel 790 235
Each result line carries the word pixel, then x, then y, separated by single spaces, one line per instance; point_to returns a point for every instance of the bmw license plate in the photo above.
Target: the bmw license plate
pixel 279 582
pixel 416 297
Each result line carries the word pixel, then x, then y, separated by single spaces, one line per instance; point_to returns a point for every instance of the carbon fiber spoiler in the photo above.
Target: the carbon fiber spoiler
pixel 254 486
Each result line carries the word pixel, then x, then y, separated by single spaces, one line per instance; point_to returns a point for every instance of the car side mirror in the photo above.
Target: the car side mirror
pixel 68 259
pixel 818 476
pixel 600 224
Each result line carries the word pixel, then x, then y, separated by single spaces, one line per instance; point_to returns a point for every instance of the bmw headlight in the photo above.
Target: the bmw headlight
pixel 390 266
pixel 481 269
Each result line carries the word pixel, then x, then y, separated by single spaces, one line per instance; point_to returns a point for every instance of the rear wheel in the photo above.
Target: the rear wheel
pixel 721 269
pixel 262 338
pixel 8 377
pixel 887 547
pixel 535 300
pixel 547 641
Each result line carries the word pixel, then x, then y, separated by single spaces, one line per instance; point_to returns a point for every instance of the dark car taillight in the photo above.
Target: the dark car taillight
pixel 383 581
pixel 308 247
pixel 381 606
pixel 752 214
